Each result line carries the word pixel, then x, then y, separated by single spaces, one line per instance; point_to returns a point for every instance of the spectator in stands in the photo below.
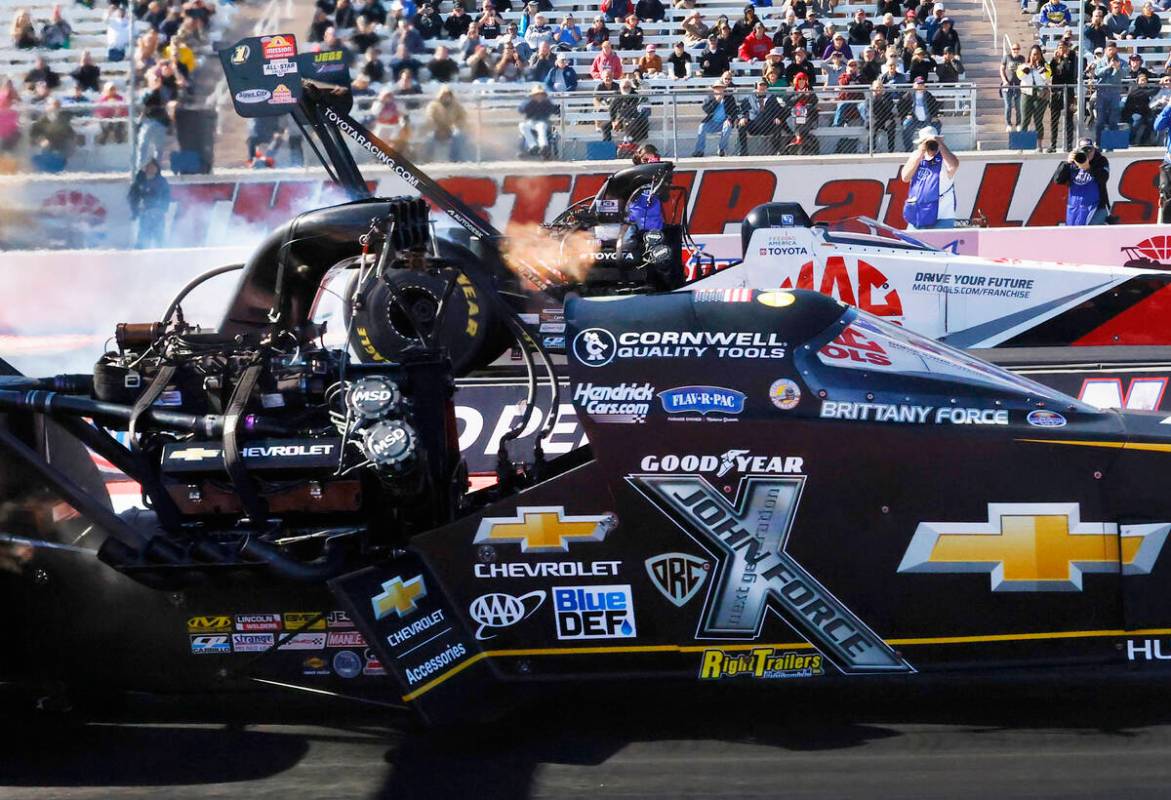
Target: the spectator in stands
pixel 788 23
pixel 468 43
pixel 628 117
pixel 9 116
pixel 934 22
pixel 510 68
pixel 650 10
pixel 1086 172
pixel 650 64
pixel 481 64
pixel 1063 94
pixel 811 27
pixel 597 33
pixel 1034 77
pixel 457 23
pixel 385 116
pixel 920 65
pixel 146 52
pixel 883 114
pixel 447 121
pixel 850 103
pixel 490 23
pixel 1148 24
pixel 795 42
pixel 1054 14
pixel 834 67
pixel 429 22
pixel 535 112
pixel 695 30
pixel 403 59
pixel 630 37
pixel 917 109
pixel 756 45
pixel 24 35
pixel 41 73
pixel 720 115
pixel 801 66
pixel 1136 110
pixel 567 35
pixel 75 97
pixel 838 45
pixel 724 38
pixel 405 35
pixel 112 113
pixel 563 77
pixel 604 93
pixel 53 138
pixel 540 63
pixel 442 66
pixel 802 116
pixel 181 53
pixel 406 86
pixel 372 66
pixel 156 15
pixel 825 42
pixel 679 62
pixel 760 115
pixel 615 10
pixel 950 69
pixel 888 28
pixel 360 86
pixel 1118 21
pixel 1108 94
pixel 606 59
pixel 539 31
pixel 684 4
pixel 893 7
pixel 869 69
pixel 1010 90
pixel 154 121
pixel 1136 68
pixel 1096 33
pixel 117 33
pixel 712 61
pixel 512 34
pixel 344 15
pixel 200 15
pixel 946 37
pixel 775 60
pixel 930 170
pixel 317 26
pixel 744 26
pixel 150 199
pixel 87 74
pixel 860 29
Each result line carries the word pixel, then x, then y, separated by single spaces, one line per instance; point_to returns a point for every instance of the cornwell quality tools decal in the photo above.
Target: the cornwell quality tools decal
pixel 544 529
pixel 753 572
pixel 1034 547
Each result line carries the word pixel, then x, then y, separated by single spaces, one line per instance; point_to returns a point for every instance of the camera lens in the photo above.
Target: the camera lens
pixel 1080 157
pixel 932 147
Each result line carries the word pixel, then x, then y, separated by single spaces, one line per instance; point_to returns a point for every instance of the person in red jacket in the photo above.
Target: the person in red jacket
pixel 756 45
pixel 607 59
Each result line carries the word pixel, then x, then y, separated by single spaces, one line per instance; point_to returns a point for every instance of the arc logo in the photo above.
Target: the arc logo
pixel 1034 547
pixel 865 286
pixel 678 576
pixel 501 610
pixel 543 529
pixel 1142 394
pixel 754 573
pixel 398 597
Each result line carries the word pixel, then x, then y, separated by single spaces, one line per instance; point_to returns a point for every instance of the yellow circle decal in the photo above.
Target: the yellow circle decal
pixel 776 299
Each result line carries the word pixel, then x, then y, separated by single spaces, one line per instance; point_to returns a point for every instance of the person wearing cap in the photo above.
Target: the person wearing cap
pixel 760 115
pixel 775 60
pixel 720 115
pixel 917 109
pixel 712 61
pixel 456 24
pixel 567 35
pixel 650 10
pixel 539 31
pixel 679 62
pixel 1135 67
pixel 859 30
pixel 429 22
pixel 950 69
pixel 946 36
pixel 801 66
pixel 795 42
pixel 811 27
pixel 536 111
pixel 563 77
pixel 869 68
pixel 838 45
pixel 1148 24
pixel 1085 172
pixel 833 68
pixel 629 117
pixel 851 104
pixel 930 170
pixel 695 30
pixel 744 26
pixel 650 64
pixel 1010 91
pixel 1108 95
pixel 597 33
pixel 1062 94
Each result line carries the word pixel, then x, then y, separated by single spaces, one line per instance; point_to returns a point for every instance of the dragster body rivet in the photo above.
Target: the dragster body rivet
pixel 1097 475
pixel 524 666
pixel 486 553
pixel 886 509
pixel 176 599
pixel 40 577
pixel 610 521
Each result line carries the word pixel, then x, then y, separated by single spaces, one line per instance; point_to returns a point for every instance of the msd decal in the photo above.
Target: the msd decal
pixel 854 282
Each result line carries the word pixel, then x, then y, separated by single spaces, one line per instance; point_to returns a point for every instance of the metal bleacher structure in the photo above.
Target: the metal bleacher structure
pixel 674 104
pixel 89 33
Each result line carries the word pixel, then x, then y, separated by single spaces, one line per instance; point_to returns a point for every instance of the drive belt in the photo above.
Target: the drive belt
pixel 147 399
pixel 254 504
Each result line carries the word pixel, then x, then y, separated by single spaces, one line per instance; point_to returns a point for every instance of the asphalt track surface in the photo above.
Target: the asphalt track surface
pixel 1085 741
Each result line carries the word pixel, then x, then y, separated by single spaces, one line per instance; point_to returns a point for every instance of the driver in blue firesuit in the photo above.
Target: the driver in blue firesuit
pixel 645 211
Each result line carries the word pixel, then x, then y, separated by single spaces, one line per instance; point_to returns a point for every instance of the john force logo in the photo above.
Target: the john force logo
pixel 747 538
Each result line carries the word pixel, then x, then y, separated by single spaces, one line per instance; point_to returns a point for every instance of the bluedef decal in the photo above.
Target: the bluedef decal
pixel 594 612
pixel 753 571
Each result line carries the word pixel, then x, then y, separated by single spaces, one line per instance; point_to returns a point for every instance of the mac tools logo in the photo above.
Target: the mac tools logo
pixel 746 537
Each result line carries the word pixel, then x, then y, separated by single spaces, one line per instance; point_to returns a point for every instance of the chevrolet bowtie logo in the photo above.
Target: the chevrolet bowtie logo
pixel 398 597
pixel 543 529
pixel 1034 547
pixel 194 454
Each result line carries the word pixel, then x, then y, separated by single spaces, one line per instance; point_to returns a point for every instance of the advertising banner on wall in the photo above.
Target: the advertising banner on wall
pixel 236 206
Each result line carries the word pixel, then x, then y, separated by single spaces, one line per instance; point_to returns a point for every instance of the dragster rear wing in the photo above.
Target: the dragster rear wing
pixel 268 77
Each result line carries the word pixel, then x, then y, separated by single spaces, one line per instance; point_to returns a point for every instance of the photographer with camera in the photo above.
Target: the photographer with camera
pixel 1085 172
pixel 931 169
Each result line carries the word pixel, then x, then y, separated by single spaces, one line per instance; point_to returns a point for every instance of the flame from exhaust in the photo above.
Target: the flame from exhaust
pixel 535 254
